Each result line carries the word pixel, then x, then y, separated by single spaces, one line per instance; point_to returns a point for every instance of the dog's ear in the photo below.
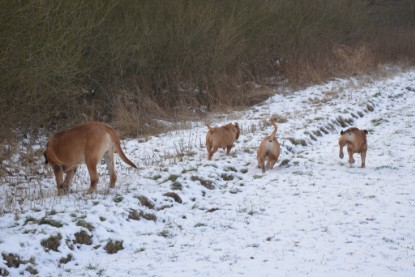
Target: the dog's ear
pixel 46 159
pixel 342 132
pixel 364 131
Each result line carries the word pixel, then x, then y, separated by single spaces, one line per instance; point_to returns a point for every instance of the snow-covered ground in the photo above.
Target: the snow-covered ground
pixel 312 214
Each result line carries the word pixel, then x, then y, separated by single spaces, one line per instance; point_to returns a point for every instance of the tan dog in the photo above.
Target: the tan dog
pixel 221 137
pixel 269 149
pixel 85 143
pixel 356 142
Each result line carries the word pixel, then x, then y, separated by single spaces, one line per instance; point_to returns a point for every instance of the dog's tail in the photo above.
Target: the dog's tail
pixel 274 133
pixel 117 143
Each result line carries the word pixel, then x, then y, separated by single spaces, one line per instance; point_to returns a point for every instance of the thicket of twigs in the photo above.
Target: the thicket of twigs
pixel 129 62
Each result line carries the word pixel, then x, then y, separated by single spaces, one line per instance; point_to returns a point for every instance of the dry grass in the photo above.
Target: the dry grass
pixel 65 260
pixel 82 237
pixel 206 183
pixel 113 247
pixel 174 196
pixel 52 243
pixel 214 56
pixel 144 201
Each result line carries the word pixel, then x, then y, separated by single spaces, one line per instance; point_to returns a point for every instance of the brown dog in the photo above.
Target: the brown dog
pixel 85 143
pixel 356 142
pixel 269 149
pixel 221 137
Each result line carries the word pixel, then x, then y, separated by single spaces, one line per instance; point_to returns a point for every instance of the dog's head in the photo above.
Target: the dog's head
pixel 45 153
pixel 238 130
pixel 46 158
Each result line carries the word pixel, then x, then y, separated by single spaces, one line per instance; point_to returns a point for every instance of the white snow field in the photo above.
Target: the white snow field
pixel 312 214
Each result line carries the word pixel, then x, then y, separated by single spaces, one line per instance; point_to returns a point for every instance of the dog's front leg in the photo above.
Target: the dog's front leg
pixel 341 155
pixel 58 171
pixel 68 179
pixel 228 149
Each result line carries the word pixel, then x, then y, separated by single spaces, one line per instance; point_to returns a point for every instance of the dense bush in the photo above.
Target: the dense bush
pixel 130 61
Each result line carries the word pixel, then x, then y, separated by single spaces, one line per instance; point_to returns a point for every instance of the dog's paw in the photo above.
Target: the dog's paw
pixel 341 155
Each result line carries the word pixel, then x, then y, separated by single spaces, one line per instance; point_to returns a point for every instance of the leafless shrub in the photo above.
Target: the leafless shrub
pixel 149 72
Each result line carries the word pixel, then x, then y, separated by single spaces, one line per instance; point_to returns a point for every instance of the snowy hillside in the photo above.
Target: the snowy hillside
pixel 182 215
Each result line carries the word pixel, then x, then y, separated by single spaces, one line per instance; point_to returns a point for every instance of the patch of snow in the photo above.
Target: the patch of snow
pixel 311 215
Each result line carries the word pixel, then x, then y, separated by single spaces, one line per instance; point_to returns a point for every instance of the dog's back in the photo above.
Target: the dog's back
pixel 355 139
pixel 221 137
pixel 70 146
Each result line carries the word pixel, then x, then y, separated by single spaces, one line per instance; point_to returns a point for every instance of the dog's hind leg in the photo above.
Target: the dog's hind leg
pixel 212 151
pixel 274 158
pixel 272 162
pixel 268 162
pixel 363 155
pixel 109 161
pixel 93 174
pixel 350 152
pixel 261 160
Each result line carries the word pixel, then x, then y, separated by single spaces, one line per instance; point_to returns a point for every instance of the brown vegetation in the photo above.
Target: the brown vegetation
pixel 113 247
pixel 130 62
